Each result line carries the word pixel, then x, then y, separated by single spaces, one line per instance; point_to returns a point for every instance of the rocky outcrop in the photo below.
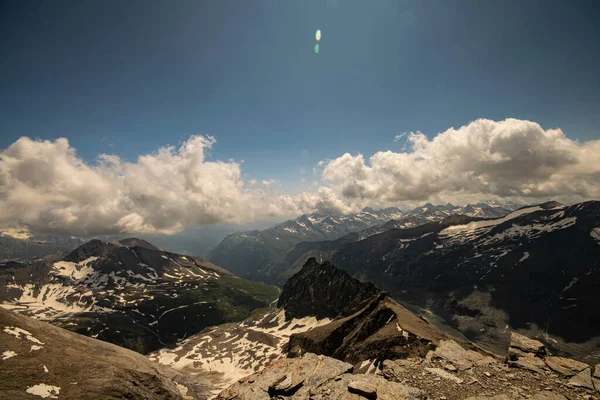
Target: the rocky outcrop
pixel 318 378
pixel 565 366
pixel 381 329
pixel 323 291
pixel 526 353
pixel 38 358
pixel 377 328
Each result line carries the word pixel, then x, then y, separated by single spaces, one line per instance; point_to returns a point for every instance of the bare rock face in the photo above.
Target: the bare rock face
pixel 548 396
pixel 526 345
pixel 596 378
pixel 287 377
pixel 378 328
pixel 565 366
pixel 455 354
pixel 317 378
pixel 583 379
pixel 526 353
pixel 363 389
pixel 42 359
pixel 323 291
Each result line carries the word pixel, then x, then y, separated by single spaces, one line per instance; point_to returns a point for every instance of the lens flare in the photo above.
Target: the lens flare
pixel 317 48
pixel 318 35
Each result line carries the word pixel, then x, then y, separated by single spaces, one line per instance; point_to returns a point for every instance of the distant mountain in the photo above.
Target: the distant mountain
pixel 261 255
pixel 130 293
pixel 25 246
pixel 42 361
pixel 245 253
pixel 535 270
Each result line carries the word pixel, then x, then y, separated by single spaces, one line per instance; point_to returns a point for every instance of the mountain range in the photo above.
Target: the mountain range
pixel 258 255
pixel 365 345
pixel 534 269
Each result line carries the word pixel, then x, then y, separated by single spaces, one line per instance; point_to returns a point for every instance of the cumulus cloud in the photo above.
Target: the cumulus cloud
pixel 45 186
pixel 484 159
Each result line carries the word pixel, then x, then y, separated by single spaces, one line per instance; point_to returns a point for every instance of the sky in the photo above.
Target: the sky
pixel 406 102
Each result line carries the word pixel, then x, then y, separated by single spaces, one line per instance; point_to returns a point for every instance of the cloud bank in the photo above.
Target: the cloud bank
pixel 484 159
pixel 46 187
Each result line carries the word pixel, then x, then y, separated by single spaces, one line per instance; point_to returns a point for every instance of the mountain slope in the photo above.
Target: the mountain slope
pixel 135 296
pixel 535 270
pixel 38 359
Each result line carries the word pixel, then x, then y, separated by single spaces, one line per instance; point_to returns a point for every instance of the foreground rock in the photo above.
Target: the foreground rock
pixel 38 359
pixel 316 377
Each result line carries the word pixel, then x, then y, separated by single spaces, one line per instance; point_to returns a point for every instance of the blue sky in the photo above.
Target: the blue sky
pixel 128 77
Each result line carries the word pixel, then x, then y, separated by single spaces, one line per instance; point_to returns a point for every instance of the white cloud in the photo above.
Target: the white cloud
pixel 510 158
pixel 45 186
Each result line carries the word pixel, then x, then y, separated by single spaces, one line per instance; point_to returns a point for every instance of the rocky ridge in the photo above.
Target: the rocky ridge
pixel 383 351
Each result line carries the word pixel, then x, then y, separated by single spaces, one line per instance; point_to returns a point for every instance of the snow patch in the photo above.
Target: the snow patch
pixel 8 354
pixel 76 271
pixel 595 234
pixel 472 226
pixel 525 256
pixel 44 391
pixel 18 333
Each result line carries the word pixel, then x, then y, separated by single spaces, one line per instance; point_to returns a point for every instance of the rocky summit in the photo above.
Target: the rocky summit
pixel 323 291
